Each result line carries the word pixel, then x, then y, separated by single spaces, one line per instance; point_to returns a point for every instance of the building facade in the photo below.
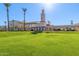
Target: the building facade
pixel 41 25
pixel 31 26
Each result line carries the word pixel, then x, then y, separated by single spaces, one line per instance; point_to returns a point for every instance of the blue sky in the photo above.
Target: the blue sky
pixel 58 14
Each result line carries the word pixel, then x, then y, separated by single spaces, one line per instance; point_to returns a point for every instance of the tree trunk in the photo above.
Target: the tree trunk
pixel 24 21
pixel 8 18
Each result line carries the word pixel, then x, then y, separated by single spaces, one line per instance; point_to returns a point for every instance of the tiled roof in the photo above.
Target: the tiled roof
pixel 34 22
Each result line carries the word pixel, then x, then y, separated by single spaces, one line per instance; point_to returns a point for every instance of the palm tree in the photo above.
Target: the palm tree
pixel 13 25
pixel 24 10
pixel 71 22
pixel 7 5
pixel 5 25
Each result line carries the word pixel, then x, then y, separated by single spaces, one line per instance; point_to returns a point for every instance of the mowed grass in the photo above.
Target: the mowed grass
pixel 41 44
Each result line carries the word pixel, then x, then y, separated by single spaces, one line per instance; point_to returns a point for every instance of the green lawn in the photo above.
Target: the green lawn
pixel 42 44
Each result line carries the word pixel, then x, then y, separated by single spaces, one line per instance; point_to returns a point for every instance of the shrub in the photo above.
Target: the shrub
pixel 35 32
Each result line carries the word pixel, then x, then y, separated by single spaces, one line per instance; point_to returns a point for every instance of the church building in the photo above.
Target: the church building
pixel 41 25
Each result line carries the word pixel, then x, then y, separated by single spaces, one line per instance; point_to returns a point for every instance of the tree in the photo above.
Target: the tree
pixel 13 25
pixel 24 10
pixel 71 22
pixel 7 5
pixel 5 25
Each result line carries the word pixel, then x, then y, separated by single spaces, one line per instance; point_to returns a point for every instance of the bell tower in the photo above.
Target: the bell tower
pixel 43 16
